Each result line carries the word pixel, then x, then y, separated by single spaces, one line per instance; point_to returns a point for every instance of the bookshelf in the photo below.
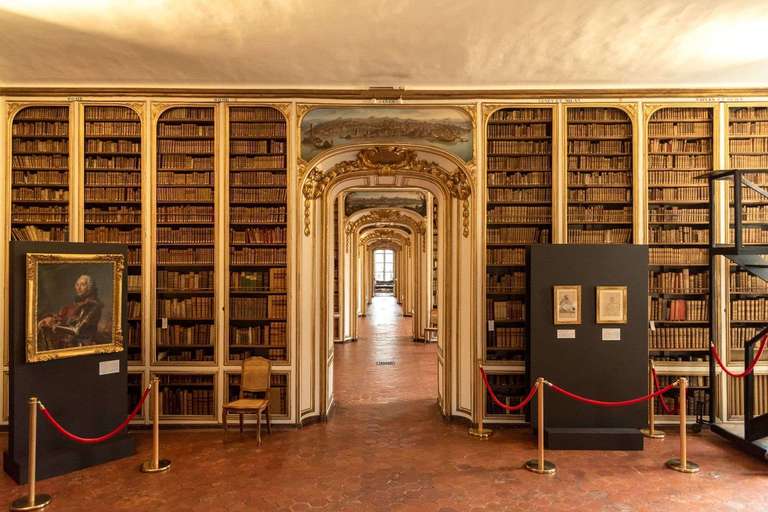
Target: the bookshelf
pixel 600 174
pixel 258 300
pixel 112 155
pixel 135 390
pixel 187 396
pixel 278 393
pixel 680 147
pixel 519 213
pixel 40 174
pixel 697 399
pixel 748 294
pixel 511 389
pixel 185 236
pixel 736 396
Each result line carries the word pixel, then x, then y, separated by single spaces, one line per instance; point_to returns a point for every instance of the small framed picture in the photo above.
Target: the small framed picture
pixel 567 305
pixel 611 304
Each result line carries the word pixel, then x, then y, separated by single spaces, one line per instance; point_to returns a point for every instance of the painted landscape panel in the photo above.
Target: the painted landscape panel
pixel 356 201
pixel 447 128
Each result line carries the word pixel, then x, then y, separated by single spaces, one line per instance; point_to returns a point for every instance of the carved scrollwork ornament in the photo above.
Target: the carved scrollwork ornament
pixel 465 217
pixel 307 216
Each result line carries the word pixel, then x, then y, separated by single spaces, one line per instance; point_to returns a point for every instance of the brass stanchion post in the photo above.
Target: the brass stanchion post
pixel 479 431
pixel 683 464
pixel 32 501
pixel 540 465
pixel 156 465
pixel 651 431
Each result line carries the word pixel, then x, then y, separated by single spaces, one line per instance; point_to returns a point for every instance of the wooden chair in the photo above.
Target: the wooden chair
pixel 254 379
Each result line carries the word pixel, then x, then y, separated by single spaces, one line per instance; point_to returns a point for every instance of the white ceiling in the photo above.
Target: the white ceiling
pixel 427 44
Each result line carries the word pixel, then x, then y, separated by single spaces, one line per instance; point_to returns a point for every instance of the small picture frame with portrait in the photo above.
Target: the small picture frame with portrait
pixel 567 304
pixel 611 305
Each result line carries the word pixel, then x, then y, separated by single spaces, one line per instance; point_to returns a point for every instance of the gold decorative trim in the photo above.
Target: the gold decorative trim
pixel 137 107
pixel 13 108
pixel 159 108
pixel 383 215
pixel 284 108
pixel 302 109
pixel 465 217
pixel 307 216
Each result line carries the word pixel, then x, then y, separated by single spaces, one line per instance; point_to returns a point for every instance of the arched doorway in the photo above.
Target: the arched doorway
pixel 369 166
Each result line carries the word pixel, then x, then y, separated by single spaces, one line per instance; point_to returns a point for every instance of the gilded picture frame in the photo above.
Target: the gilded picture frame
pixel 611 305
pixel 567 304
pixel 74 305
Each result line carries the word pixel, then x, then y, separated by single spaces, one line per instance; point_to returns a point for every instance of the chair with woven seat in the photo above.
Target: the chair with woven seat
pixel 255 379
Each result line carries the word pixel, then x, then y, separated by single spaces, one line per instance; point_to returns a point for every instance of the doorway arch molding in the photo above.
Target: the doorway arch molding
pixel 385 216
pixel 376 166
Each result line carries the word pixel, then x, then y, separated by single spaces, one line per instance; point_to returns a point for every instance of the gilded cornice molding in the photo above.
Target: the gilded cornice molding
pixel 385 235
pixel 301 111
pixel 159 108
pixel 137 107
pixel 13 108
pixel 284 108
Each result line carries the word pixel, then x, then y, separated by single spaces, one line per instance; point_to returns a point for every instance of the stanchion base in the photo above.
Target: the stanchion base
pixel 655 434
pixel 163 465
pixel 548 469
pixel 480 434
pixel 41 501
pixel 690 467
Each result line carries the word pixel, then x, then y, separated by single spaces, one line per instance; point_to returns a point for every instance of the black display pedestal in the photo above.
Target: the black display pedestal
pixel 84 402
pixel 585 364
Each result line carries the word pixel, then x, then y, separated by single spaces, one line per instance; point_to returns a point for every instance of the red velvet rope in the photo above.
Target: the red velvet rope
pixel 656 382
pixel 498 402
pixel 751 365
pixel 100 439
pixel 602 403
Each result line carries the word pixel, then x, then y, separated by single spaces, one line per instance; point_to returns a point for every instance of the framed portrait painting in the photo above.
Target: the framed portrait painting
pixel 567 305
pixel 74 305
pixel 611 304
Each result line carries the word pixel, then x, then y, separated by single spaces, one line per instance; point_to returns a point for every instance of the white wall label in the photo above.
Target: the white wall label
pixel 491 325
pixel 163 323
pixel 107 367
pixel 566 334
pixel 613 334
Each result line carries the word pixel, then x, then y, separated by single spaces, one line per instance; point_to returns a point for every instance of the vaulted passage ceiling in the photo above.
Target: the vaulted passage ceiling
pixel 415 44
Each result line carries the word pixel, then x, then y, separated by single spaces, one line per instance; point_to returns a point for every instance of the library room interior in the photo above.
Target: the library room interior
pixel 384 256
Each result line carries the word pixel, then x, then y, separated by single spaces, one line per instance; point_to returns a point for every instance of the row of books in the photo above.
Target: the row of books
pixel 128 163
pixel 188 308
pixel 185 354
pixel 258 195
pixel 679 162
pixel 197 255
pixel 113 178
pixel 273 307
pixel 257 215
pixel 680 146
pixel 527 214
pixel 694 381
pixel 34 214
pixel 511 179
pixel 39 194
pixel 748 145
pixel 255 114
pixel 519 163
pixel 754 213
pixel 678 309
pixel 505 256
pixel 40 146
pixel 258 178
pixel 599 236
pixel 623 130
pixel 134 282
pixel 103 234
pixel 273 353
pixel 747 195
pixel 133 339
pixel 749 309
pixel 245 147
pixel 273 279
pixel 260 130
pixel 170 279
pixel 753 128
pixel 522 114
pixel 678 256
pixel 744 281
pixel 193 146
pixel 530 235
pixel 185 130
pixel 679 235
pixel 677 214
pixel 597 114
pixel 101 113
pixel 188 114
pixel 752 235
pixel 39 128
pixel 540 147
pixel 741 335
pixel 519 196
pixel 134 310
pixel 185 162
pixel 112 146
pixel 598 147
pixel 678 281
pixel 272 334
pixel 167 235
pixel 676 177
pixel 42 113
pixel 40 178
pixel 682 114
pixel 113 129
pixel 506 310
pixel 505 282
pixel 595 195
pixel 601 163
pixel 690 129
pixel 181 194
pixel 508 337
pixel 186 335
pixel 186 402
pixel 35 234
pixel 696 404
pixel 599 213
pixel 752 161
pixel 192 214
pixel 599 178
pixel 258 255
pixel 736 396
pixel 191 178
pixel 675 338
pixel 112 215
pixel 520 131
pixel 276 235
pixel 40 161
pixel 688 194
pixel 748 113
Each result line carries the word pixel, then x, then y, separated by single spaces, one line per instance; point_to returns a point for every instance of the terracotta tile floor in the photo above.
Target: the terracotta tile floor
pixel 387 448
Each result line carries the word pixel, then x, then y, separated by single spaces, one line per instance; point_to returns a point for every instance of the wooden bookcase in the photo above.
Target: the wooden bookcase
pixel 278 392
pixel 188 395
pixel 112 171
pixel 519 213
pixel 258 234
pixel 600 174
pixel 509 387
pixel 185 236
pixel 736 396
pixel 680 147
pixel 40 177
pixel 748 295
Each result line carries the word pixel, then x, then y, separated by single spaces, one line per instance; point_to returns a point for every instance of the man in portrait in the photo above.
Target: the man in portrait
pixel 75 324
